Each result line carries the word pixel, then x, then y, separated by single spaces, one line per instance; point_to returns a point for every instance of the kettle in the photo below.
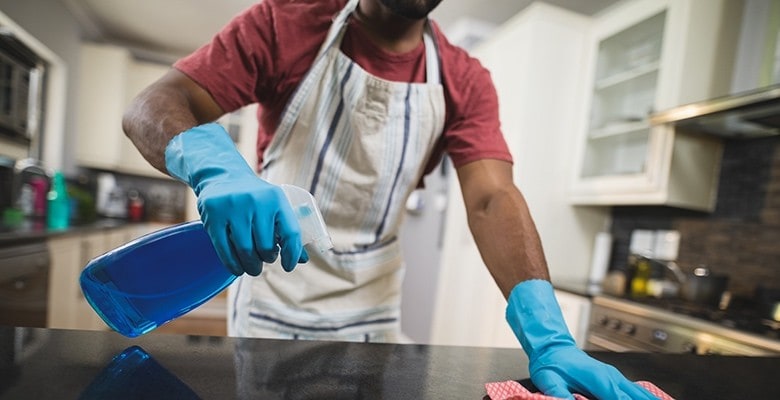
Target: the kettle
pixel 111 199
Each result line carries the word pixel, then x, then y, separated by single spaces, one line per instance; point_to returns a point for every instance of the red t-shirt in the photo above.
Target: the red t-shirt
pixel 263 53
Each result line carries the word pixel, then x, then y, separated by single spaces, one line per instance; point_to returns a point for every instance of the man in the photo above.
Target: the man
pixel 358 100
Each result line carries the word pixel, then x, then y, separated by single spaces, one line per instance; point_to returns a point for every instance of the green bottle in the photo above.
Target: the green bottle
pixel 57 204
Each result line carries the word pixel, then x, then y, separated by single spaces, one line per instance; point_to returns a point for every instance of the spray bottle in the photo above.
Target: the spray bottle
pixel 163 275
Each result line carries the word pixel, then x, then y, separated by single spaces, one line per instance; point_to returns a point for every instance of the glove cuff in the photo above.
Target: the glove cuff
pixel 535 317
pixel 202 153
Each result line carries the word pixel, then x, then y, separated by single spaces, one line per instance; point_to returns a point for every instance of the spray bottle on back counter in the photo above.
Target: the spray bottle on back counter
pixel 162 276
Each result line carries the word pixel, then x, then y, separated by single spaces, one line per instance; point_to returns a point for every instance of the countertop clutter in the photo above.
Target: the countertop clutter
pixel 43 364
pixel 37 230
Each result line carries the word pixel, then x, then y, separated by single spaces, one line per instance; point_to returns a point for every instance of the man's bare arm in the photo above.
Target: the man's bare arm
pixel 166 108
pixel 501 224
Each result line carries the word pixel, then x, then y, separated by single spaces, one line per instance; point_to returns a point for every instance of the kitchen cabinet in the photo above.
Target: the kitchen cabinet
pixel 67 307
pixel 109 79
pixel 647 56
pixel 576 314
pixel 535 62
pixel 209 319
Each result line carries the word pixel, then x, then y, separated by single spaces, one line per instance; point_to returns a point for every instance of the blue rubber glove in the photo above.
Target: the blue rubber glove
pixel 248 219
pixel 558 368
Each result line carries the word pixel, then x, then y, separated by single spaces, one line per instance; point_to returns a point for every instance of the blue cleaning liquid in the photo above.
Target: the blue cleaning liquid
pixel 155 279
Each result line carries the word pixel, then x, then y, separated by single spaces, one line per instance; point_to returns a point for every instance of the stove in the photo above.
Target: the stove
pixel 675 326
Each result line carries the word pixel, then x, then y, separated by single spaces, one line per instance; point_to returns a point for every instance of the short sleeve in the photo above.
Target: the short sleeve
pixel 236 66
pixel 473 131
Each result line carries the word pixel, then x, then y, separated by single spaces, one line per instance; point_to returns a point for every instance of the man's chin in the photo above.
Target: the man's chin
pixel 411 9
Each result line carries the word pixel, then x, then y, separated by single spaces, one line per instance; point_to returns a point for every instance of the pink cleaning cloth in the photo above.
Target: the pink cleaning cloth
pixel 512 390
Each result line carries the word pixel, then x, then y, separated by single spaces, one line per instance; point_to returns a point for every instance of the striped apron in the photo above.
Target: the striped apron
pixel 359 144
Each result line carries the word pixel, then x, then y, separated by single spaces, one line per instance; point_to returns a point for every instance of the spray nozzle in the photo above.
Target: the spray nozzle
pixel 313 230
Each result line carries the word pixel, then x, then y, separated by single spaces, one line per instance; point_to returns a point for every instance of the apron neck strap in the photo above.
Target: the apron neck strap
pixel 432 74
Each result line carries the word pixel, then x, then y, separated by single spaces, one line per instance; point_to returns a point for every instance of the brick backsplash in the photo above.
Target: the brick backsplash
pixel 741 237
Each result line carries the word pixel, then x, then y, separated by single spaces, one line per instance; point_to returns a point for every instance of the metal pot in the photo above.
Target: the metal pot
pixel 704 287
pixel 773 313
pixel 768 299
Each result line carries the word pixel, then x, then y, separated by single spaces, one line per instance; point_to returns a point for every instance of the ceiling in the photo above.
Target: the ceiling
pixel 171 28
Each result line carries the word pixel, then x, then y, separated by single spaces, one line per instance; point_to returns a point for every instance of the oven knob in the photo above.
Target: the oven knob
pixel 660 336
pixel 629 329
pixel 603 320
pixel 689 347
pixel 614 324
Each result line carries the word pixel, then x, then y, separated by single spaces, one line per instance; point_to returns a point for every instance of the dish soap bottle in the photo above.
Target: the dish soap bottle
pixel 641 277
pixel 57 204
pixel 165 274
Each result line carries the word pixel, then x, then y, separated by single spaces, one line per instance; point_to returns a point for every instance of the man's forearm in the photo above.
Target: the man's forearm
pixel 163 110
pixel 507 239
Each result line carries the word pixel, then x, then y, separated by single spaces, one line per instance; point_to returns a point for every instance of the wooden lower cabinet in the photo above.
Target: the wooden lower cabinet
pixel 67 307
pixel 210 319
pixel 70 253
pixel 199 326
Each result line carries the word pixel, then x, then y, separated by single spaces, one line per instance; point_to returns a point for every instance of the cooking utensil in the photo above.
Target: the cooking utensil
pixel 704 287
pixel 768 299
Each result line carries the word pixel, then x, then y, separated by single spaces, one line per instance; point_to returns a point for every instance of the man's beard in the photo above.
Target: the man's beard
pixel 411 9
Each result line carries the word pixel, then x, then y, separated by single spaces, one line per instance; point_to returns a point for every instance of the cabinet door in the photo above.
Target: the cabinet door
pixel 63 282
pixel 623 95
pixel 140 75
pixel 117 237
pixel 650 55
pixel 576 314
pixel 68 309
pixel 109 79
pixel 91 246
pixel 101 94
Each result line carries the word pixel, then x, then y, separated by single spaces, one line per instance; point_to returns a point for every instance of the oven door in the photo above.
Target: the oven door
pixel 596 342
pixel 24 284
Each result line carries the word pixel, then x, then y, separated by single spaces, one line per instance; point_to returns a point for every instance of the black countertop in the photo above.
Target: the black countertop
pixel 30 230
pixel 43 364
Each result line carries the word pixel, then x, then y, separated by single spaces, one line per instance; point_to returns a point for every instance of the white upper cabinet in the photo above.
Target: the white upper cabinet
pixel 648 56
pixel 109 79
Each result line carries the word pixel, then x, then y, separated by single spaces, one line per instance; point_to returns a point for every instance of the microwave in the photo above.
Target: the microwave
pixel 21 89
